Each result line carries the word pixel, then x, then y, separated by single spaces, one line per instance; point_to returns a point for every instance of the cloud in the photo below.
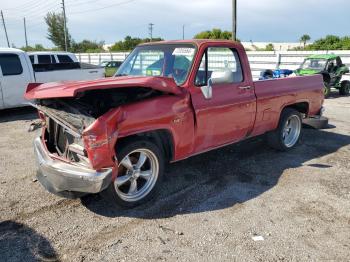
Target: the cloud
pixel 268 20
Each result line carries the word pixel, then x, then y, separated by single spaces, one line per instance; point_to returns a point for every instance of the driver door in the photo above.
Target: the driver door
pixel 227 116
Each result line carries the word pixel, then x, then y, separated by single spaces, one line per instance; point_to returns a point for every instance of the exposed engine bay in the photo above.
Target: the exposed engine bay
pixel 80 111
pixel 66 118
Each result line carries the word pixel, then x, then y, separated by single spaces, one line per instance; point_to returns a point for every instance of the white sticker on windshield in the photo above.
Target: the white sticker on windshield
pixel 183 51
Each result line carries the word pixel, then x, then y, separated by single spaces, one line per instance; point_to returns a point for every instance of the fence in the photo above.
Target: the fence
pixel 259 60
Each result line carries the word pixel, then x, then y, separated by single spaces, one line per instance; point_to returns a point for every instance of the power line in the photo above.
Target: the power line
pixel 37 12
pixel 97 9
pixel 77 3
pixel 34 7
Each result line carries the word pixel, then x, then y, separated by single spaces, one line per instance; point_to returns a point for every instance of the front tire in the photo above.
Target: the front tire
pixel 288 132
pixel 140 171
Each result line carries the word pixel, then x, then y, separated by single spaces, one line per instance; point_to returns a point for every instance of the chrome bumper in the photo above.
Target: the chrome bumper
pixel 65 179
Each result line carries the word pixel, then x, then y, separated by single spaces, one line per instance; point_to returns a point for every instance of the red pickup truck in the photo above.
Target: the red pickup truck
pixel 167 102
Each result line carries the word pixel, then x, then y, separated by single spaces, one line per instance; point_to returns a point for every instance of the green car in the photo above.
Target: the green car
pixel 332 69
pixel 111 68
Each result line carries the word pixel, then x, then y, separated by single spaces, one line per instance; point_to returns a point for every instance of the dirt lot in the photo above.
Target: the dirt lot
pixel 210 208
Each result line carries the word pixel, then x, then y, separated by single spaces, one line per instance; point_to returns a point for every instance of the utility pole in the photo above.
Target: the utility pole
pixel 183 32
pixel 234 20
pixel 3 22
pixel 25 31
pixel 150 28
pixel 65 26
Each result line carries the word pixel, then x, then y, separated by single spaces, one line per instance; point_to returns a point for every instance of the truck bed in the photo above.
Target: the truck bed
pixel 273 95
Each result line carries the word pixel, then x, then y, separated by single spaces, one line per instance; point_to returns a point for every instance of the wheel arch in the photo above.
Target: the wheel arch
pixel 162 137
pixel 302 107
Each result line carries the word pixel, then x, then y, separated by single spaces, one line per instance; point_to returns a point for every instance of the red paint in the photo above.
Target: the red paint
pixel 72 88
pixel 195 124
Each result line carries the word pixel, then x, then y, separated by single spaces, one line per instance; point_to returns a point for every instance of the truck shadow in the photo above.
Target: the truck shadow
pixel 15 114
pixel 21 243
pixel 226 177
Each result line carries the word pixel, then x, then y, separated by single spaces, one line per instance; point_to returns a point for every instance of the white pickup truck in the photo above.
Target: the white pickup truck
pixel 17 71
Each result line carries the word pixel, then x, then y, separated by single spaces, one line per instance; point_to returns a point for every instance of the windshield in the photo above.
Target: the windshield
pixel 166 60
pixel 314 64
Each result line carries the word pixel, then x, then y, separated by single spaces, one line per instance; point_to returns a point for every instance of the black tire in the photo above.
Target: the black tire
pixel 114 194
pixel 276 140
pixel 344 89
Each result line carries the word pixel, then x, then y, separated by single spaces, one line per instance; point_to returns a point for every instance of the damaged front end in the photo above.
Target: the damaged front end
pixel 75 151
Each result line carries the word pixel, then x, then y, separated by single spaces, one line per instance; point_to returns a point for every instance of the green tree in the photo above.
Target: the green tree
pixel 37 47
pixel 87 46
pixel 55 23
pixel 269 47
pixel 304 38
pixel 330 42
pixel 215 33
pixel 130 43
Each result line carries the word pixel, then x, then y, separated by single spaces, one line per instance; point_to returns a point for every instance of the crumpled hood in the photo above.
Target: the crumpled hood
pixel 72 88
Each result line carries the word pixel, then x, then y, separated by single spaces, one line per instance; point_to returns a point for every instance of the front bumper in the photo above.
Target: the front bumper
pixel 68 179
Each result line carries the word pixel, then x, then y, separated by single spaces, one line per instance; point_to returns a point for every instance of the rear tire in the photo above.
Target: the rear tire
pixel 344 89
pixel 140 172
pixel 288 132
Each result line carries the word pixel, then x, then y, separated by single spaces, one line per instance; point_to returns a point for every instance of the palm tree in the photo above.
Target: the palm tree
pixel 304 39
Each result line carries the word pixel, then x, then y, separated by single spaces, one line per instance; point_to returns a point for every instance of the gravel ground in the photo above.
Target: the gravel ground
pixel 211 206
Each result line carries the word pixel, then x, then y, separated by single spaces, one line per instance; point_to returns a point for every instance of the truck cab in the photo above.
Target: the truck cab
pixel 45 57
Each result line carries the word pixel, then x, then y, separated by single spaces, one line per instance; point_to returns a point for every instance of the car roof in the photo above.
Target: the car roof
pixel 324 56
pixel 49 53
pixel 196 42
pixel 10 50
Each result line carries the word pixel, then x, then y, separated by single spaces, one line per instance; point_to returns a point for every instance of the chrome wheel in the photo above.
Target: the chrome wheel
pixel 291 131
pixel 137 174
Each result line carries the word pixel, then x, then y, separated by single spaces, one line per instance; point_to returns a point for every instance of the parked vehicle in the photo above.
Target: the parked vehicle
pixel 16 72
pixel 332 69
pixel 170 100
pixel 52 57
pixel 277 73
pixel 111 68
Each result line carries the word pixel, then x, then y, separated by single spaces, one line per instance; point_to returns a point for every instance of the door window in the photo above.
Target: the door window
pixel 44 59
pixel 64 59
pixel 220 64
pixel 10 64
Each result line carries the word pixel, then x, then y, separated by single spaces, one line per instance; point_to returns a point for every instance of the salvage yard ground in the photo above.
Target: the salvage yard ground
pixel 211 207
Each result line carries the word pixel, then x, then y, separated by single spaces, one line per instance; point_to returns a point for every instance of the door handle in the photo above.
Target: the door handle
pixel 245 87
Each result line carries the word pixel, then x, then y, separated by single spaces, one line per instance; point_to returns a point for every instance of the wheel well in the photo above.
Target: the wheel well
pixel 162 137
pixel 302 107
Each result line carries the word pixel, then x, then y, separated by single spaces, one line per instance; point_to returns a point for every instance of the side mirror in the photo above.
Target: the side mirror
pixel 207 90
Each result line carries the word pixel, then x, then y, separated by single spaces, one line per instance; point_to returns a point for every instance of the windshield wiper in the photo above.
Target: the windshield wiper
pixel 121 75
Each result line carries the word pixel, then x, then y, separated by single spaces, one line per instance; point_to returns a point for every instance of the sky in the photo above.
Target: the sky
pixel 112 20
